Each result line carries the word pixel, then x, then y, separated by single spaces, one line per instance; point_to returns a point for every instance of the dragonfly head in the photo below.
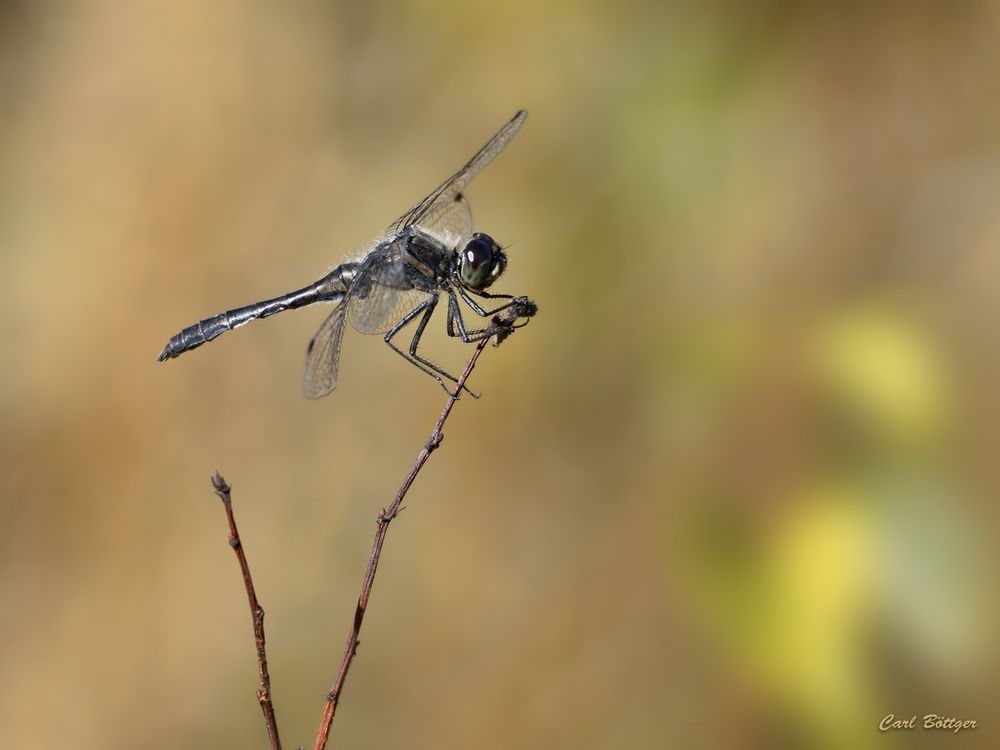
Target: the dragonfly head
pixel 481 262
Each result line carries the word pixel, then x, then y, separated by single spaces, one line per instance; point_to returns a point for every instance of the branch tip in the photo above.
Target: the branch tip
pixel 220 484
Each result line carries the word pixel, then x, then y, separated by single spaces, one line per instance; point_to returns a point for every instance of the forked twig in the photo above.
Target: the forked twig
pixel 500 327
pixel 256 612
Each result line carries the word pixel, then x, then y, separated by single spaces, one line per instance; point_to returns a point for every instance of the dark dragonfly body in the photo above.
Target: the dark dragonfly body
pixel 428 252
pixel 331 288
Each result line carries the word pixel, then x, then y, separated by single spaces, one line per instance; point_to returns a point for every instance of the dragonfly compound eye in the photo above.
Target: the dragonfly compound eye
pixel 482 262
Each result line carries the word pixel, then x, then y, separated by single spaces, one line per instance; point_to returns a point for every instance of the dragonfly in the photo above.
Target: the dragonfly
pixel 428 254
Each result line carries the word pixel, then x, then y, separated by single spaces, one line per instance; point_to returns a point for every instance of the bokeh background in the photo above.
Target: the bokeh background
pixel 734 487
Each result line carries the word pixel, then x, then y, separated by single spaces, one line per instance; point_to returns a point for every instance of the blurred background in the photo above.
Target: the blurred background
pixel 734 487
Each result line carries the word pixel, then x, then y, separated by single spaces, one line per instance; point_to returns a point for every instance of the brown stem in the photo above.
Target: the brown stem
pixel 500 327
pixel 256 612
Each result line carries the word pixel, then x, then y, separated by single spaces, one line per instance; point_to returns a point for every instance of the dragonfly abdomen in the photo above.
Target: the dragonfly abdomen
pixel 331 288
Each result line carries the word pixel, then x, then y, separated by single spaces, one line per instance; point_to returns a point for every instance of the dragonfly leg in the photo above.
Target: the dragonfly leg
pixel 425 309
pixel 485 295
pixel 455 320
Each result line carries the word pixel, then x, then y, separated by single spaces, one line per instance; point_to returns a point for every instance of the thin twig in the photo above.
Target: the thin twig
pixel 256 612
pixel 500 327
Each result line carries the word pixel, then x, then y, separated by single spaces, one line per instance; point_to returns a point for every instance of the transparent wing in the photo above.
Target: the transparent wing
pixel 386 307
pixel 375 293
pixel 449 221
pixel 323 354
pixel 452 188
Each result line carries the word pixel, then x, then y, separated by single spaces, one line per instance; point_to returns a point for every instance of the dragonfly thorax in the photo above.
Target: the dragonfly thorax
pixel 481 262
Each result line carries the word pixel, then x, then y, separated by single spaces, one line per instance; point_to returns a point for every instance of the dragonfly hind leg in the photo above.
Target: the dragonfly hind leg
pixel 426 308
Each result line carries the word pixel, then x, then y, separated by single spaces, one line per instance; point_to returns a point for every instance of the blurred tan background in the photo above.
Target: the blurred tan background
pixel 734 487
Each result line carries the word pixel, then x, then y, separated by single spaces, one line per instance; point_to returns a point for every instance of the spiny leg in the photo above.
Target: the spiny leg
pixel 478 309
pixel 426 366
pixel 415 342
pixel 421 308
pixel 455 318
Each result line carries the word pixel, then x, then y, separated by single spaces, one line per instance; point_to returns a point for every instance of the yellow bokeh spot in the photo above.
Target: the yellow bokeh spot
pixel 881 364
pixel 820 568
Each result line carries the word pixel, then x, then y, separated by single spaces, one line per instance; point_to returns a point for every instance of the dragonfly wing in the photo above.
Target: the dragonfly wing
pixel 323 354
pixel 375 292
pixel 388 307
pixel 449 221
pixel 452 188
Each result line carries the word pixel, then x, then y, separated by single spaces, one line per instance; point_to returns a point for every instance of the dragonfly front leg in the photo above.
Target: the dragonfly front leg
pixel 485 295
pixel 455 320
